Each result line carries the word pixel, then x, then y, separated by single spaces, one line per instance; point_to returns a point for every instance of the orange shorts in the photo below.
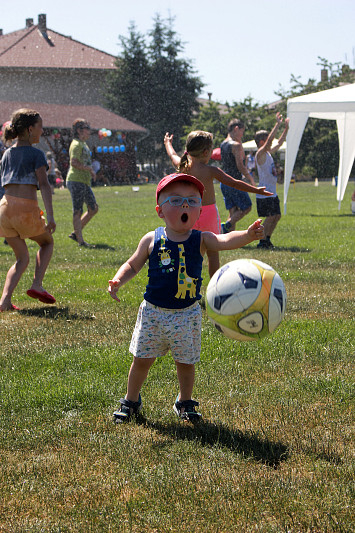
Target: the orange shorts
pixel 209 219
pixel 20 217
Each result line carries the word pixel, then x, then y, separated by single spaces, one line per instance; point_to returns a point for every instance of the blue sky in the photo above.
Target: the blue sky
pixel 239 49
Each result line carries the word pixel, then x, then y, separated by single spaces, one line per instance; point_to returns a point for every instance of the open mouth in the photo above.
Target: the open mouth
pixel 184 217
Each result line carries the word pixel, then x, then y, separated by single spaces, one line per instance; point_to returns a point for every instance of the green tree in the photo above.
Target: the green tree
pixel 163 96
pixel 129 86
pixel 255 117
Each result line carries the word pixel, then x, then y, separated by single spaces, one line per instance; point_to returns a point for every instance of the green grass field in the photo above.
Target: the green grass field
pixel 275 450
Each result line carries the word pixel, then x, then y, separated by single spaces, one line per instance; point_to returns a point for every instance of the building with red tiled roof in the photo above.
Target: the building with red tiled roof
pixel 64 79
pixel 57 116
pixel 40 65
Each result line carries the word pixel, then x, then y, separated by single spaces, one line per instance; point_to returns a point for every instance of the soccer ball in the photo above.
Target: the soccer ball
pixel 246 299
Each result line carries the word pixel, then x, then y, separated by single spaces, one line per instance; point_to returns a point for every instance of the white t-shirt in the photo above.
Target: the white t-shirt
pixel 267 176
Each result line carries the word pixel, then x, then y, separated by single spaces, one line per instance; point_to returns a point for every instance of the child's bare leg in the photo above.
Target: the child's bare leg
pixel 88 216
pixel 270 224
pixel 77 226
pixel 137 375
pixel 44 254
pixel 186 377
pixel 15 272
pixel 213 262
pixel 236 214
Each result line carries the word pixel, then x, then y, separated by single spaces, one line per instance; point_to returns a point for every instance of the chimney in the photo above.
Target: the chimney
pixel 1 32
pixel 42 22
pixel 29 23
pixel 324 74
pixel 209 96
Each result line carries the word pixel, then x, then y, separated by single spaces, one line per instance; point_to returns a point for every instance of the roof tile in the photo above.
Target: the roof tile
pixel 63 116
pixel 32 48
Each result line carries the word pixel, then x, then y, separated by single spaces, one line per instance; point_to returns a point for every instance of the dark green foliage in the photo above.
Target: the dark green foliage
pixel 154 86
pixel 318 154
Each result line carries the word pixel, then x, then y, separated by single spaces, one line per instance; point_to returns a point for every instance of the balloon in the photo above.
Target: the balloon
pixel 117 149
pixel 105 133
pixel 122 148
pixel 109 133
pixel 110 149
pixel 135 148
pixel 105 149
pixel 99 149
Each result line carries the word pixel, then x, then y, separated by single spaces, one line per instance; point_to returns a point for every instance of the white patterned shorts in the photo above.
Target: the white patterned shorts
pixel 159 330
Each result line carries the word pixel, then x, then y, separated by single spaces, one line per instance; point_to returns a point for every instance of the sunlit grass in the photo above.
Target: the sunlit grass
pixel 275 450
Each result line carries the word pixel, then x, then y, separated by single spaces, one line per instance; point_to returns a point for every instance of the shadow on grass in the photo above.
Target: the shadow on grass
pixel 289 249
pixel 247 444
pixel 279 249
pixel 55 313
pixel 101 246
pixel 344 215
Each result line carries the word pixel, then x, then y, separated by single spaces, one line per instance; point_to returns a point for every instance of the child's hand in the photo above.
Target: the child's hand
pixel 256 230
pixel 279 118
pixel 168 138
pixel 51 225
pixel 113 289
pixel 261 190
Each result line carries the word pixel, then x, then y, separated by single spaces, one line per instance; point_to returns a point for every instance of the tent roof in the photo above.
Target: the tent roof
pixel 324 101
pixel 334 104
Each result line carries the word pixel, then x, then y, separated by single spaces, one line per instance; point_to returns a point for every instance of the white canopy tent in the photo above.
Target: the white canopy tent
pixel 250 146
pixel 334 104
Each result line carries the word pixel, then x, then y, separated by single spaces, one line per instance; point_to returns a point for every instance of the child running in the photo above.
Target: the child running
pixel 198 151
pixel 23 170
pixel 169 317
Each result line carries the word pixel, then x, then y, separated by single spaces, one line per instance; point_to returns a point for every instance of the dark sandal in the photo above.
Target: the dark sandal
pixel 127 410
pixel 186 410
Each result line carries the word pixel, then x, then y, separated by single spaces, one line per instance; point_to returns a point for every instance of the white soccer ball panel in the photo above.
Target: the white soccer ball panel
pixel 234 287
pixel 277 303
pixel 233 334
pixel 252 323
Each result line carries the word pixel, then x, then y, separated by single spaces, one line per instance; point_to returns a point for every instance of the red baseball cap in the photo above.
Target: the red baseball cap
pixel 179 177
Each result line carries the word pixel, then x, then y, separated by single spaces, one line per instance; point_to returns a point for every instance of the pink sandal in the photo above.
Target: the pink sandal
pixel 43 297
pixel 12 308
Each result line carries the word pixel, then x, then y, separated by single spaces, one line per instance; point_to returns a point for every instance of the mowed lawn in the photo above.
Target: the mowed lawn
pixel 275 450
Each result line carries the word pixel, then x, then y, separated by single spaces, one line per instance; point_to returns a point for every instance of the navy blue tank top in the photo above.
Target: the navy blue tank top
pixel 174 273
pixel 229 164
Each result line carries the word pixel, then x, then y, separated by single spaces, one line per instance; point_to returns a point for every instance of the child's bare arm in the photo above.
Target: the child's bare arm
pixel 168 143
pixel 224 178
pixel 281 138
pixel 132 266
pixel 46 193
pixel 234 239
pixel 261 153
pixel 239 155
